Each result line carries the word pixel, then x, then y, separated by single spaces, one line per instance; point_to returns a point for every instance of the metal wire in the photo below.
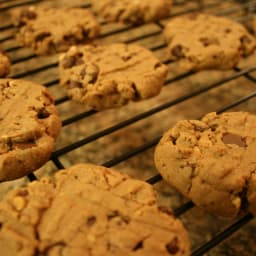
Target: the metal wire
pixel 222 235
pixel 246 73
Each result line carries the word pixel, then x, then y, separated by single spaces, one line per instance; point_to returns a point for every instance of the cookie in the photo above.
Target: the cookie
pixel 51 30
pixel 5 64
pixel 212 161
pixel 134 12
pixel 88 210
pixel 202 41
pixel 110 76
pixel 29 126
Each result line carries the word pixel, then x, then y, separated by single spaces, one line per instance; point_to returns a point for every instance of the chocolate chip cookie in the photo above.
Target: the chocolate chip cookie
pixel 5 64
pixel 212 161
pixel 110 76
pixel 51 30
pixel 134 12
pixel 29 126
pixel 202 41
pixel 88 210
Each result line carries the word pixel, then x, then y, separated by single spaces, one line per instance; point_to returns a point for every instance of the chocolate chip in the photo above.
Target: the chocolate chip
pixel 157 65
pixel 42 36
pixel 93 79
pixel 193 16
pixel 136 92
pixel 91 221
pixel 42 113
pixel 83 73
pixel 1 224
pixel 172 247
pixel 28 14
pixel 69 37
pixel 115 214
pixel 229 138
pixel 245 39
pixel 94 75
pixel 20 23
pixel 69 62
pixel 9 144
pixel 74 84
pixel 173 139
pixel 112 215
pixel 25 15
pixel 85 32
pixel 227 30
pixel 209 41
pixel 177 51
pixel 22 193
pixel 24 145
pixel 119 14
pixel 213 127
pixel 126 58
pixel 72 61
pixel 138 246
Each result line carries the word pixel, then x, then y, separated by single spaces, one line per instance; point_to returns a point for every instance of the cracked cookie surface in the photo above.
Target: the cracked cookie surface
pixel 29 126
pixel 51 30
pixel 110 76
pixel 212 161
pixel 88 210
pixel 201 41
pixel 132 11
pixel 5 64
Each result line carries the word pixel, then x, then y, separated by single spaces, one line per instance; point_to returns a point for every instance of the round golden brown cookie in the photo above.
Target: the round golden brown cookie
pixel 202 41
pixel 110 76
pixel 51 30
pixel 212 161
pixel 88 210
pixel 132 11
pixel 5 64
pixel 29 127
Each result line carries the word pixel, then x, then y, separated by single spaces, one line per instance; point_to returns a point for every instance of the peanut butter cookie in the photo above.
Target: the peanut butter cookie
pixel 202 41
pixel 51 30
pixel 88 210
pixel 110 76
pixel 29 126
pixel 212 161
pixel 132 11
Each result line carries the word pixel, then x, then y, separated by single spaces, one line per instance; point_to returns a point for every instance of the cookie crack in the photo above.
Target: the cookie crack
pixel 49 247
pixel 126 67
pixel 140 245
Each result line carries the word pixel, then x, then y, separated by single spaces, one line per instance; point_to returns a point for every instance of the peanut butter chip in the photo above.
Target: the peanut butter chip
pixel 18 203
pixel 229 138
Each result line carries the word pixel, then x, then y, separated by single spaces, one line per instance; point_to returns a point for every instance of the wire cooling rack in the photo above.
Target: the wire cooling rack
pixel 46 67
